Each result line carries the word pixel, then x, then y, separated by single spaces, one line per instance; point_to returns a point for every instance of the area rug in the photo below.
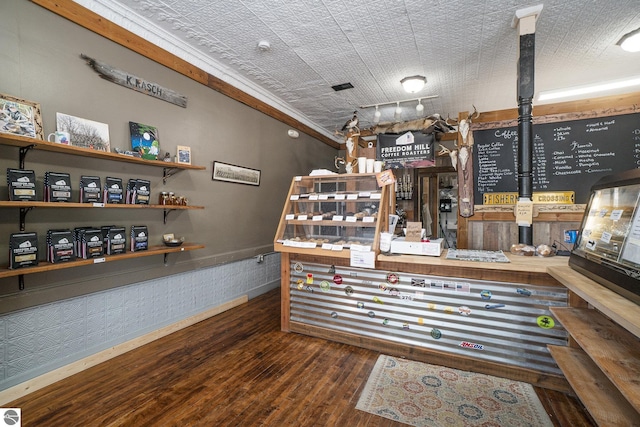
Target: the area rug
pixel 420 394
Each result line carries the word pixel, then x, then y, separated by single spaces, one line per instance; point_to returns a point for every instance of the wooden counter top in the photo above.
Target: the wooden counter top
pixel 531 264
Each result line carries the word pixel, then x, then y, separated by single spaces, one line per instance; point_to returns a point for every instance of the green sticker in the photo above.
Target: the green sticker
pixel 546 322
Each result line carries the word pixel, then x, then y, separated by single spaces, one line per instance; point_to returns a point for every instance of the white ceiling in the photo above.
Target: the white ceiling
pixel 466 49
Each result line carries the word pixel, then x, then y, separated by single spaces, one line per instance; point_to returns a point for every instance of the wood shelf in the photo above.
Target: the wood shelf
pixel 615 351
pixel 330 223
pixel 37 144
pixel 72 205
pixel 615 306
pixel 45 266
pixel 602 399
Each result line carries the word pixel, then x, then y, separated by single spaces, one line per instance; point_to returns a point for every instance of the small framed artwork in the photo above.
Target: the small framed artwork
pixel 145 140
pixel 183 155
pixel 20 117
pixel 237 174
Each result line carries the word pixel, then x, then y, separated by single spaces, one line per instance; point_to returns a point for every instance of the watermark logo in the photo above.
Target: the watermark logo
pixel 11 417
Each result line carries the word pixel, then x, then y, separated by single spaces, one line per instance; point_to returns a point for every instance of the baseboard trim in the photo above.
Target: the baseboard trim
pixel 22 389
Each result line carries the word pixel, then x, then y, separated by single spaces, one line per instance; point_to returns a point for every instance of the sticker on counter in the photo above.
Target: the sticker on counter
pixel 394 292
pixel 360 304
pixel 545 322
pixel 436 334
pixel 436 286
pixel 466 344
pixel 334 314
pixel 300 284
pixel 525 292
pixel 332 269
pixel 492 306
pixel 385 322
pixel 309 289
pixel 420 321
pixel 393 278
pixel 348 290
pixel 371 314
pixel 485 295
pixel 431 306
pixel 464 310
pixel 418 282
pixel 309 278
pixel 378 300
pixel 298 267
pixel 463 287
pixel 382 287
pixel 405 325
pixel 448 310
pixel 337 279
pixel 325 286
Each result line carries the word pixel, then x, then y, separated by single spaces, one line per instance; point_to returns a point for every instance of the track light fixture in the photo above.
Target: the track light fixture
pixel 376 115
pixel 398 109
pixel 398 113
pixel 419 107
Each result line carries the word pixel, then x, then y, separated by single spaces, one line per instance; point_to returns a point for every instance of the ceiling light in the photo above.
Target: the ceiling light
pixel 419 107
pixel 376 115
pixel 630 41
pixel 398 112
pixel 587 89
pixel 414 83
pixel 264 45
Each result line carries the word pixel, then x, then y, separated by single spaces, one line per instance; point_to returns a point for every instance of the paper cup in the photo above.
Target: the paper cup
pixel 370 165
pixel 362 164
pixel 377 166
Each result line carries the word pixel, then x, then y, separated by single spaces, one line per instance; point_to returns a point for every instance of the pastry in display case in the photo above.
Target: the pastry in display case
pixel 608 246
pixel 333 214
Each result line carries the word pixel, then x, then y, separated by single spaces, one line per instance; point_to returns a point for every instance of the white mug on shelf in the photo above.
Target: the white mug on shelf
pixel 60 137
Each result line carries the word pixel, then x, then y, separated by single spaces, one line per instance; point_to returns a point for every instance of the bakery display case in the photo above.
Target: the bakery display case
pixel 608 246
pixel 333 214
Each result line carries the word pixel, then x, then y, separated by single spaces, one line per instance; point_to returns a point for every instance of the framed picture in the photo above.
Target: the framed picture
pixel 237 174
pixel 183 155
pixel 84 133
pixel 145 140
pixel 20 117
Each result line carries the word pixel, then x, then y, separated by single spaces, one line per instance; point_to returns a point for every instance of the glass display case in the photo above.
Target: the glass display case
pixel 608 245
pixel 331 214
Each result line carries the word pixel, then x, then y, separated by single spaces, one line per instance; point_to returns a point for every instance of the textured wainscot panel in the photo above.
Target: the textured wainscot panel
pixel 509 323
pixel 40 339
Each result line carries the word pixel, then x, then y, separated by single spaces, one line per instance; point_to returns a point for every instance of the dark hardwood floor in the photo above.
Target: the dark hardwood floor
pixel 235 369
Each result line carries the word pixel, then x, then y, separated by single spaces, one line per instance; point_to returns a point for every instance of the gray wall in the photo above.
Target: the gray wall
pixel 40 57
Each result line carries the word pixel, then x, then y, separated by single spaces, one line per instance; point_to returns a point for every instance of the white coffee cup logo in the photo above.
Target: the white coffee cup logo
pixel 59 137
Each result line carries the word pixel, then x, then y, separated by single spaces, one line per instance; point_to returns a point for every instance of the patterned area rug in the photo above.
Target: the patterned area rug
pixel 420 394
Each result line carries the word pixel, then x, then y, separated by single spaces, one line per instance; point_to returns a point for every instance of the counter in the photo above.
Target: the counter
pixel 492 318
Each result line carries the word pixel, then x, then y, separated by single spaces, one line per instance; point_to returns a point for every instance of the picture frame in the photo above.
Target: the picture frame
pixel 84 133
pixel 236 174
pixel 20 117
pixel 145 140
pixel 183 155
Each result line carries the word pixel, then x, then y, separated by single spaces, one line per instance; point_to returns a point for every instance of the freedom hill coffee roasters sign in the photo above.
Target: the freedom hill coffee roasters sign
pixel 136 83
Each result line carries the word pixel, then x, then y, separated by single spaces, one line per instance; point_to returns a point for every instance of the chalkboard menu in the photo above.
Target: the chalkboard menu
pixel 567 156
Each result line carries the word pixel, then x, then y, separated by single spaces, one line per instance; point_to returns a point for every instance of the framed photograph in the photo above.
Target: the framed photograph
pixel 237 174
pixel 183 155
pixel 145 140
pixel 84 133
pixel 20 117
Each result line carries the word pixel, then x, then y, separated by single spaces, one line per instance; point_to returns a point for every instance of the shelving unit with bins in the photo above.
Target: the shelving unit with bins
pixel 332 214
pixel 25 144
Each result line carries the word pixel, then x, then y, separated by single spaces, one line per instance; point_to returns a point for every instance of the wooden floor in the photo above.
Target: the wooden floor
pixel 235 369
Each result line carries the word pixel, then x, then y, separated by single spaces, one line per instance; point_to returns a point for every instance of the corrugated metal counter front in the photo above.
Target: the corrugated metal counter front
pixel 509 323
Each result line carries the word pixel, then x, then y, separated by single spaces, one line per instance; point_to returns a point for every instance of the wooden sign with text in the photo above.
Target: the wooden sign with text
pixel 136 83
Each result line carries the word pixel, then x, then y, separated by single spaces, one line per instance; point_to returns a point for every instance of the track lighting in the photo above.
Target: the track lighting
pixel 398 113
pixel 376 115
pixel 419 107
